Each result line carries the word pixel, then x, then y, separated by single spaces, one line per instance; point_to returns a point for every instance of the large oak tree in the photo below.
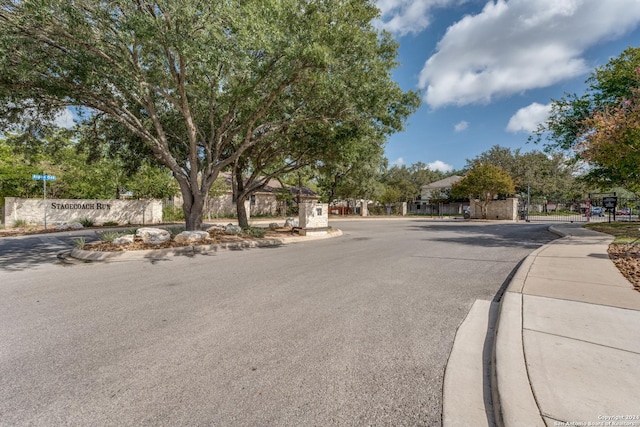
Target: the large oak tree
pixel 198 85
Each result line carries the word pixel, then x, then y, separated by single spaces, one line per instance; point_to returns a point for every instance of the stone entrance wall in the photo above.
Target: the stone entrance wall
pixel 61 211
pixel 497 209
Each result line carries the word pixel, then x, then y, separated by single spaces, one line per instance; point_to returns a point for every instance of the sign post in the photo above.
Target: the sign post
pixel 610 204
pixel 44 178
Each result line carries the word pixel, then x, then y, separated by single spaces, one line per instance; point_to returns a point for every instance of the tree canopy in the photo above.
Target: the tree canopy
pixel 484 182
pixel 536 173
pixel 197 85
pixel 601 125
pixel 76 175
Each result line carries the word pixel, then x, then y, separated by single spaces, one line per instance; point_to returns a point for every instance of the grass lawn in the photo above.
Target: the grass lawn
pixel 624 232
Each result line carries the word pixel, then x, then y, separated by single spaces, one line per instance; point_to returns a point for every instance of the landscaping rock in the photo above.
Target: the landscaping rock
pixel 233 229
pixel 153 236
pixel 124 240
pixel 292 222
pixel 70 226
pixel 273 226
pixel 216 227
pixel 191 237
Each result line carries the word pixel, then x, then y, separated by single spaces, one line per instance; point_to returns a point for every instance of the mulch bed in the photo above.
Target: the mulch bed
pixel 627 258
pixel 216 237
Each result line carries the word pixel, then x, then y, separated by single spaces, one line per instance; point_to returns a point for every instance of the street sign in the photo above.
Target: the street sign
pixel 43 177
pixel 610 202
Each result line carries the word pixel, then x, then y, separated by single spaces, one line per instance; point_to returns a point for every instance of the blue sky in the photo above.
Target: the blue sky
pixel 487 71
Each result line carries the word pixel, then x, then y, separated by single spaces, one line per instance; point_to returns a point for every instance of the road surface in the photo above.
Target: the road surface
pixel 354 330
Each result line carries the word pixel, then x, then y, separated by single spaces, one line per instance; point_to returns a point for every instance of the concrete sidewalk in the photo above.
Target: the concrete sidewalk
pixel 567 346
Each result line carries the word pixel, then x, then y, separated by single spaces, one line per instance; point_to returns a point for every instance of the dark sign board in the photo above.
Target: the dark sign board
pixel 610 202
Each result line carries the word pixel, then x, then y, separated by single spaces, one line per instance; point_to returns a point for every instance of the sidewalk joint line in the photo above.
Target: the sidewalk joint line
pixel 580 340
pixel 583 302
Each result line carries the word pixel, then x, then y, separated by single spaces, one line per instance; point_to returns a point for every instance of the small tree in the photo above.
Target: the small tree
pixel 484 182
pixel 389 197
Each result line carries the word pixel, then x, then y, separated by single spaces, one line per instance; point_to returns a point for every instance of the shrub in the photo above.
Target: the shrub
pixel 110 236
pixel 79 242
pixel 86 222
pixel 175 230
pixel 19 223
pixel 110 224
pixel 254 232
pixel 170 213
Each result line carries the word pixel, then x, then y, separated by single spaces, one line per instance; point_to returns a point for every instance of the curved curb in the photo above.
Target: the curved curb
pixel 513 398
pixel 85 255
pixel 512 380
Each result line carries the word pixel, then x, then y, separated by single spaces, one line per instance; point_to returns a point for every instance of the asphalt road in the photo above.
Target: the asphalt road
pixel 354 330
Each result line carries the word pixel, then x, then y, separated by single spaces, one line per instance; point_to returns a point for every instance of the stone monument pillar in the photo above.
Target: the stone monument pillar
pixel 314 218
pixel 364 208
pixel 404 208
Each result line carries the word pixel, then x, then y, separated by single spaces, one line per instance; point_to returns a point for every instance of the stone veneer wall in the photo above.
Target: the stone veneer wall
pixel 497 209
pixel 61 211
pixel 314 215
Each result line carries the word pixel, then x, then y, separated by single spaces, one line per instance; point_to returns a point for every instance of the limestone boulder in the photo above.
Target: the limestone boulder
pixel 273 226
pixel 75 226
pixel 62 227
pixel 153 236
pixel 232 229
pixel 124 240
pixel 216 227
pixel 187 237
pixel 292 222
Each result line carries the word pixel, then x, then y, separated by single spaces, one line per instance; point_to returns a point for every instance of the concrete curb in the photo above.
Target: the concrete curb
pixel 466 388
pixel 514 401
pixel 84 255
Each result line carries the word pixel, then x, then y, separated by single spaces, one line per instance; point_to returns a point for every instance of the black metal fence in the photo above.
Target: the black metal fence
pixel 586 210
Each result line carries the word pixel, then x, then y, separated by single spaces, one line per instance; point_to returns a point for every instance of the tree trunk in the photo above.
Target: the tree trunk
pixel 193 208
pixel 243 219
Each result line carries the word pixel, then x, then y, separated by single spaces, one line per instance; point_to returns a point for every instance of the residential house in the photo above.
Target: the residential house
pixel 434 198
pixel 262 202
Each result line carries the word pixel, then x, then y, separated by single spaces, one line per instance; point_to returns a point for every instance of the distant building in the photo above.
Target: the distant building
pixel 434 198
pixel 436 190
pixel 262 202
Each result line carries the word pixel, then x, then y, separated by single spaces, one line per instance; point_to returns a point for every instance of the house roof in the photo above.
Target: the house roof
pixel 443 183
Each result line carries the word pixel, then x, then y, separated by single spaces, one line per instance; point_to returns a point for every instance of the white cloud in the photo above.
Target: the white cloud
pixel 439 165
pixel 403 17
pixel 463 125
pixel 398 162
pixel 65 119
pixel 514 46
pixel 528 118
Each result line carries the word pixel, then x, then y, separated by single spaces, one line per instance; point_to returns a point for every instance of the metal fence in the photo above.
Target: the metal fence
pixel 585 210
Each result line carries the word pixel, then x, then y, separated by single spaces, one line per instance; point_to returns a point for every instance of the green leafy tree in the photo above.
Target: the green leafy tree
pixel 15 175
pixel 151 182
pixel 353 173
pixel 422 175
pixel 537 173
pixel 400 179
pixel 604 114
pixel 197 84
pixel 389 197
pixel 484 182
pixel 612 144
